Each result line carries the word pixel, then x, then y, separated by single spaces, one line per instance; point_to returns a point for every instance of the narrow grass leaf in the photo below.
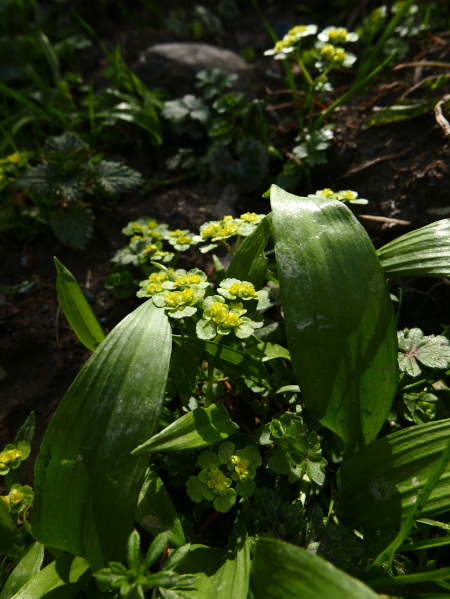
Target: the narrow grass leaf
pixel 76 309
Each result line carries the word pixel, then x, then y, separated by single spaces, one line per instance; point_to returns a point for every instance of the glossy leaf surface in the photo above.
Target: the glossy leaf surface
pixel 76 309
pixel 283 571
pixel 195 430
pixel 379 485
pixel 11 538
pixel 339 318
pixel 86 482
pixel 424 252
pixel 29 566
pixel 61 579
pixel 156 512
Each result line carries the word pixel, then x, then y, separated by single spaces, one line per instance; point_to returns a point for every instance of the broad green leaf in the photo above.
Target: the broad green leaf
pixel 379 485
pixel 284 571
pixel 234 361
pixel 86 482
pixel 424 252
pixel 221 573
pixel 250 263
pixel 156 512
pixel 61 579
pixel 339 318
pixel 29 566
pixel 12 539
pixel 268 351
pixel 201 428
pixel 76 309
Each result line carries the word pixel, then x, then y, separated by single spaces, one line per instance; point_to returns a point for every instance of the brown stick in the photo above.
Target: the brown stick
pixel 422 63
pixel 440 118
pixel 365 165
pixel 385 219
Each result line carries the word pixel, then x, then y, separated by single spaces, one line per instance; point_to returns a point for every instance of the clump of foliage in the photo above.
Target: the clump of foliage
pixel 67 181
pixel 215 443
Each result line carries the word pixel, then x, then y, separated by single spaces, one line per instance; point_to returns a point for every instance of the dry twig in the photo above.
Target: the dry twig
pixel 440 118
pixel 385 219
pixel 365 165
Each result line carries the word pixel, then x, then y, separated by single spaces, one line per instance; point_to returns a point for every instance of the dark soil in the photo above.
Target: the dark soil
pixel 401 168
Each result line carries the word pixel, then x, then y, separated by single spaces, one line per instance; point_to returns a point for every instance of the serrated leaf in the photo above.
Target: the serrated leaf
pixel 86 483
pixel 116 178
pixel 283 571
pixel 339 317
pixel 73 225
pixel 44 180
pixel 379 485
pixel 424 252
pixel 66 143
pixel 431 351
pixel 201 428
pixel 76 309
pixel 276 517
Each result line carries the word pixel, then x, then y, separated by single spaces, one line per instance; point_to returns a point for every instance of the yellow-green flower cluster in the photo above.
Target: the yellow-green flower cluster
pixel 153 284
pixel 181 240
pixel 287 45
pixel 343 196
pixel 234 289
pixel 220 318
pixel 11 166
pixel 218 231
pixel 329 54
pixel 337 35
pixel 12 456
pixel 213 484
pixel 18 498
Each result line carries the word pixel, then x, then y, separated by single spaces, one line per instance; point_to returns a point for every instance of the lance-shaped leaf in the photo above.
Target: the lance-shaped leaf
pixel 236 362
pixel 29 565
pixel 250 263
pixel 269 351
pixel 379 485
pixel 86 482
pixel 195 430
pixel 424 252
pixel 76 309
pixel 339 318
pixel 61 579
pixel 283 571
pixel 156 512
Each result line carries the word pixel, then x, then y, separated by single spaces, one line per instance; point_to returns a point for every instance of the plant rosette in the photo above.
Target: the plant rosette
pixel 18 499
pixel 192 279
pixel 220 319
pixel 212 482
pixel 181 240
pixel 179 304
pixel 12 456
pixel 145 227
pixel 219 231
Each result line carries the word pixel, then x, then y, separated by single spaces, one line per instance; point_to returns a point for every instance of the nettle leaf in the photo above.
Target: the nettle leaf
pixel 275 517
pixel 44 180
pixel 430 351
pixel 67 143
pixel 116 178
pixel 73 225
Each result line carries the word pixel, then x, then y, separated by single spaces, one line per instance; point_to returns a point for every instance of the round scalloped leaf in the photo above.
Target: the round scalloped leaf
pixel 195 489
pixel 206 329
pixel 224 503
pixel 208 459
pixel 246 489
pixel 226 450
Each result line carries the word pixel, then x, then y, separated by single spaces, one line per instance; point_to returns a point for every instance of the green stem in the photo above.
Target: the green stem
pixel 209 383
pixel 351 91
pixel 217 338
pixel 228 247
pixel 413 385
pixel 238 242
pixel 304 70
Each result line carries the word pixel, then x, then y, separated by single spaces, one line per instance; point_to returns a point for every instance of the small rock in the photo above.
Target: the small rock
pixel 175 66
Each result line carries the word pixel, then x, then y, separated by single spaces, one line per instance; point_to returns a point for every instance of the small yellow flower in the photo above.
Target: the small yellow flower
pixel 227 218
pixel 158 277
pixel 154 288
pixel 249 217
pixel 228 229
pixel 184 240
pixel 14 158
pixel 328 51
pixel 176 233
pixel 15 496
pixel 212 230
pixel 337 35
pixel 220 312
pixel 135 238
pixel 243 290
pixel 187 280
pixel 232 320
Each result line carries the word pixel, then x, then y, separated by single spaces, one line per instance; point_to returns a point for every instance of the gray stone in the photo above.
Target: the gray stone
pixel 175 65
